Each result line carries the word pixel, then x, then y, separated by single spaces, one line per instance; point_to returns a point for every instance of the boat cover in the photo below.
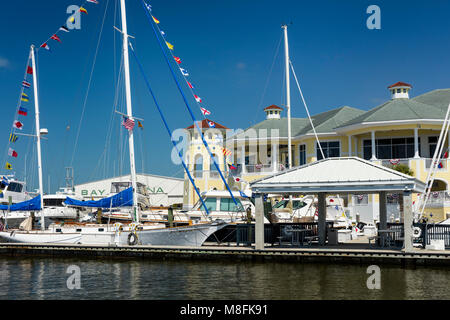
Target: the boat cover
pixel 121 199
pixel 29 205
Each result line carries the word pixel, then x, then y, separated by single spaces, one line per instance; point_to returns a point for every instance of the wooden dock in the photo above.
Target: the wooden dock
pixel 342 254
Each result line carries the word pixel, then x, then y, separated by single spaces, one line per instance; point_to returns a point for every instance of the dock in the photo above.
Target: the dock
pixel 353 254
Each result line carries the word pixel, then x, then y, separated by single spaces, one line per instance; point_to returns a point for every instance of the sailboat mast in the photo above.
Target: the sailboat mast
pixel 288 95
pixel 126 62
pixel 38 134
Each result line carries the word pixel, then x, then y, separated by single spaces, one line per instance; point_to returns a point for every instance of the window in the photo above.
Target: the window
pixel 390 148
pixel 210 203
pixel 227 204
pixel 198 166
pixel 432 143
pixel 302 154
pixel 330 149
pixel 15 187
pixel 53 202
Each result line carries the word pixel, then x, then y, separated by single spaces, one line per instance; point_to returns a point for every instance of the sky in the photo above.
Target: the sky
pixel 230 51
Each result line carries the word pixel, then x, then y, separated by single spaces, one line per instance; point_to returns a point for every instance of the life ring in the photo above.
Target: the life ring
pixel 132 239
pixel 417 232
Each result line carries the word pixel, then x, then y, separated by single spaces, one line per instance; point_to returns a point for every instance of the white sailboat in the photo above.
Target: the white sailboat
pixel 118 234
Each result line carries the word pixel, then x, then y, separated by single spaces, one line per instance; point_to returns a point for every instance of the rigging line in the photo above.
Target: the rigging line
pixel 12 129
pixel 152 23
pixel 307 110
pixel 168 129
pixel 184 76
pixel 89 84
pixel 270 73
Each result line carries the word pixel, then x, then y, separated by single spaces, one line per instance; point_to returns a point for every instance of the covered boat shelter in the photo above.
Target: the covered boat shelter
pixel 347 175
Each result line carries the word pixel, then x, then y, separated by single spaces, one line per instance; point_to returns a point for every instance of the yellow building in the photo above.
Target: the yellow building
pixel 401 131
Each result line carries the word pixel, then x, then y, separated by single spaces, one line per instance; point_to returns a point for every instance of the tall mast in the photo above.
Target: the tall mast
pixel 38 134
pixel 288 95
pixel 126 63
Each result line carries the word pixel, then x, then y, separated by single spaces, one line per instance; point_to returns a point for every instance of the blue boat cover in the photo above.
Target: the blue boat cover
pixel 29 205
pixel 122 199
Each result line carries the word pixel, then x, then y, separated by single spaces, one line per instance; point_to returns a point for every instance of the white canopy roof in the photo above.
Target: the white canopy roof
pixel 338 175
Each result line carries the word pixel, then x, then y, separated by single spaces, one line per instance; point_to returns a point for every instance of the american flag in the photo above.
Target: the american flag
pixel 128 123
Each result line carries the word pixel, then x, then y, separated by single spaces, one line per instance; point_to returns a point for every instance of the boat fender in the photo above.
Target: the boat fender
pixel 132 239
pixel 417 232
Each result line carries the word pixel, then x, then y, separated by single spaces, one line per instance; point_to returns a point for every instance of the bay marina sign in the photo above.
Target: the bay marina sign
pixel 160 190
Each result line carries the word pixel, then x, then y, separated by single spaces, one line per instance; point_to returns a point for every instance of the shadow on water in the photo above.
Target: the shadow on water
pixel 44 278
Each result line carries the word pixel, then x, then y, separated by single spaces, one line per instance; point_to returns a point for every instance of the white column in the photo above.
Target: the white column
pixel 259 222
pixel 408 221
pixel 126 68
pixel 38 134
pixel 243 159
pixel 374 155
pixel 274 153
pixel 288 95
pixel 416 143
pixel 349 146
pixel 322 224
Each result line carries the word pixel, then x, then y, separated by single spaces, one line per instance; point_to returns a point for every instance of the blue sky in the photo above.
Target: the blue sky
pixel 228 48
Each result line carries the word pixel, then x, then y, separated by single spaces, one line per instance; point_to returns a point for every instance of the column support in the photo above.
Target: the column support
pixel 322 223
pixel 374 156
pixel 349 146
pixel 244 169
pixel 274 153
pixel 408 221
pixel 259 222
pixel 416 143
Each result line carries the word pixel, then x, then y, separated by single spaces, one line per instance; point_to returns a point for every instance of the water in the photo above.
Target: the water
pixel 46 278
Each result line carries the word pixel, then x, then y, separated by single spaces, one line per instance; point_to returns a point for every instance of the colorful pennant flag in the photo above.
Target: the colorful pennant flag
pixel 13 137
pixel 184 72
pixel 128 123
pixel 205 111
pixel 18 125
pixel 83 10
pixel 140 125
pixel 197 98
pixel 12 153
pixel 45 46
pixel 156 20
pixel 8 166
pixel 22 111
pixel 178 60
pixel 29 70
pixel 26 84
pixel 24 97
pixel 5 181
pixel 190 85
pixel 169 45
pixel 211 124
pixel 232 167
pixel 55 37
pixel 64 28
pixel 92 1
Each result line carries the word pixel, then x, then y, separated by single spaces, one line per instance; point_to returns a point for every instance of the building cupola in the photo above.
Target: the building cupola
pixel 273 112
pixel 400 90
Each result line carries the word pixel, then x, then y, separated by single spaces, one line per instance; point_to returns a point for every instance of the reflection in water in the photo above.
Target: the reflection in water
pixel 41 278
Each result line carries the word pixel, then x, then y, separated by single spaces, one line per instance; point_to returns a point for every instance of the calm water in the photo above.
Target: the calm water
pixel 45 278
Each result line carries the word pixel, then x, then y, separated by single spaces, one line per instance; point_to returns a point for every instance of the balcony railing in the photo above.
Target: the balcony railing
pixel 442 164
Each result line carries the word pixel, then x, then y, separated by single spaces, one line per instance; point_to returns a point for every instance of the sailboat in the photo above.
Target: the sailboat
pixel 118 234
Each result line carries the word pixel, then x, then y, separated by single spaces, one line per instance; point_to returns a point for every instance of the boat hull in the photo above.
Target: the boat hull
pixel 193 236
pixel 39 237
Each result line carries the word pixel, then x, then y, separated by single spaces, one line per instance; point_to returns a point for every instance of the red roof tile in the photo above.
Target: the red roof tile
pixel 204 124
pixel 400 84
pixel 273 107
